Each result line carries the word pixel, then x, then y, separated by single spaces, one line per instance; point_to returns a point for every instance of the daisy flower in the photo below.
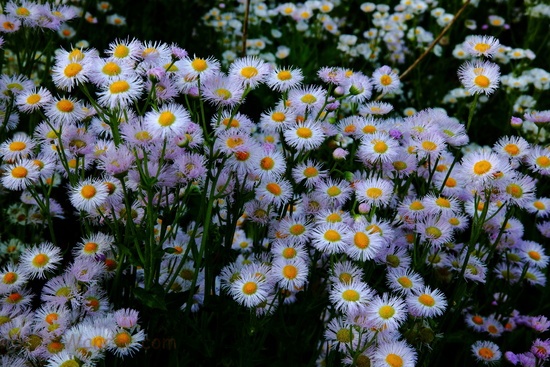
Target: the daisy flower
pixel 249 71
pixel 66 110
pixel 304 136
pixel 67 74
pixel 479 76
pixel 104 70
pixel 343 335
pixel 393 354
pixel 18 147
pixel 295 229
pixel 434 230
pixel 222 91
pixel 539 206
pixel 479 168
pixel 281 79
pixel 426 303
pixel 31 100
pixel 169 121
pixel 486 351
pixel 120 92
pixel 290 274
pixel 88 195
pixel 377 147
pixel 385 80
pixel 351 296
pixel 250 289
pixel 481 45
pixel 127 50
pixel 358 87
pixel 364 245
pixel 336 192
pixel 375 108
pixel 198 67
pixel 330 237
pixel 386 313
pixel 271 164
pixel 533 253
pixel 308 99
pixel 20 175
pixel 539 160
pixel 310 173
pixel 404 280
pixel 513 147
pixel 345 272
pixel 374 191
pixel 39 260
pixel 520 190
pixel 278 118
pixel 12 278
pixel 276 191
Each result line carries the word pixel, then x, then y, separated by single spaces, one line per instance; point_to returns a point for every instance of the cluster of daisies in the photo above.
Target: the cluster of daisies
pixel 334 181
pixel 74 324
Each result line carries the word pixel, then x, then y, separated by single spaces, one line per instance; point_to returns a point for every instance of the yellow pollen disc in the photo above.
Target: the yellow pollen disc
pixel 310 172
pixel 111 68
pixel 416 205
pixel 297 229
pixel 344 336
pixel 76 55
pixel 394 360
pixel 405 282
pixel 361 240
pixel 249 288
pixel 199 65
pixel 334 218
pixel 98 342
pixel 429 146
pixel 55 347
pixel 231 122
pixel 380 147
pixel 267 163
pixel 374 229
pixel 72 70
pixel 122 339
pixel 514 190
pixel 426 300
pixel 334 191
pixel 234 142
pixel 17 146
pixel 166 118
pixel 482 167
pixel 40 260
pixel 304 132
pixel 442 202
pixel 121 51
pixel 478 320
pixel 120 86
pixel 373 192
pixel 511 149
pixel 308 98
pixel 485 353
pixel 454 221
pixel 289 253
pixel 9 278
pixel 369 129
pixel 290 272
pixel 88 191
pixel 409 237
pixel 242 156
pixel 223 93
pixel 274 188
pixel 433 232
pixel 143 136
pixel 249 72
pixel 385 80
pixel 535 255
pixel 90 247
pixel 345 278
pixel 63 292
pixel 33 99
pixel 351 295
pixel 539 205
pixel 543 161
pixel 19 172
pixel 482 81
pixel 65 105
pixel 278 116
pixel 386 311
pixel 450 182
pixel 399 165
pixel 284 75
pixel 332 235
pixel 24 12
pixel 51 318
pixel 482 47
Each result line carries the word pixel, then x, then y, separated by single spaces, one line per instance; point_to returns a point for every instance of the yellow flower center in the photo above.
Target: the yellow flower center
pixel 284 75
pixel 120 86
pixel 23 12
pixel 90 247
pixel 454 221
pixel 482 167
pixel 278 116
pixel 55 347
pixel 374 192
pixel 332 235
pixel 76 55
pixel 514 190
pixel 334 191
pixel 386 80
pixel 485 353
pixel 345 278
pixel 442 202
pixel 344 335
pixel 380 147
pixel 361 240
pixel 433 232
pixel 399 165
pixel 51 318
pixel 308 98
pixel 310 172
pixel 416 205
pixel 351 295
pixel 9 278
pixel 405 282
pixel 511 149
pixel 267 163
pixel 33 99
pixel 535 255
pixel 98 342
pixel 249 72
pixel 166 118
pixel 199 65
pixel 543 161
pixel 65 105
pixel 450 182
pixel 121 51
pixel 40 260
pixel 426 300
pixel 482 81
pixel 334 218
pixel 111 68
pixel 249 288
pixel 482 47
pixel 122 339
pixel 290 271
pixel 72 69
pixel 289 253
pixel 394 360
pixel 274 188
pixel 223 93
pixel 143 136
pixel 369 129
pixel 297 229
pixel 234 142
pixel 386 311
pixel 17 146
pixel 429 146
pixel 304 132
pixel 88 191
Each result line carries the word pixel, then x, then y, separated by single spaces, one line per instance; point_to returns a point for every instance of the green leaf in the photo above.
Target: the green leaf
pixel 153 298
